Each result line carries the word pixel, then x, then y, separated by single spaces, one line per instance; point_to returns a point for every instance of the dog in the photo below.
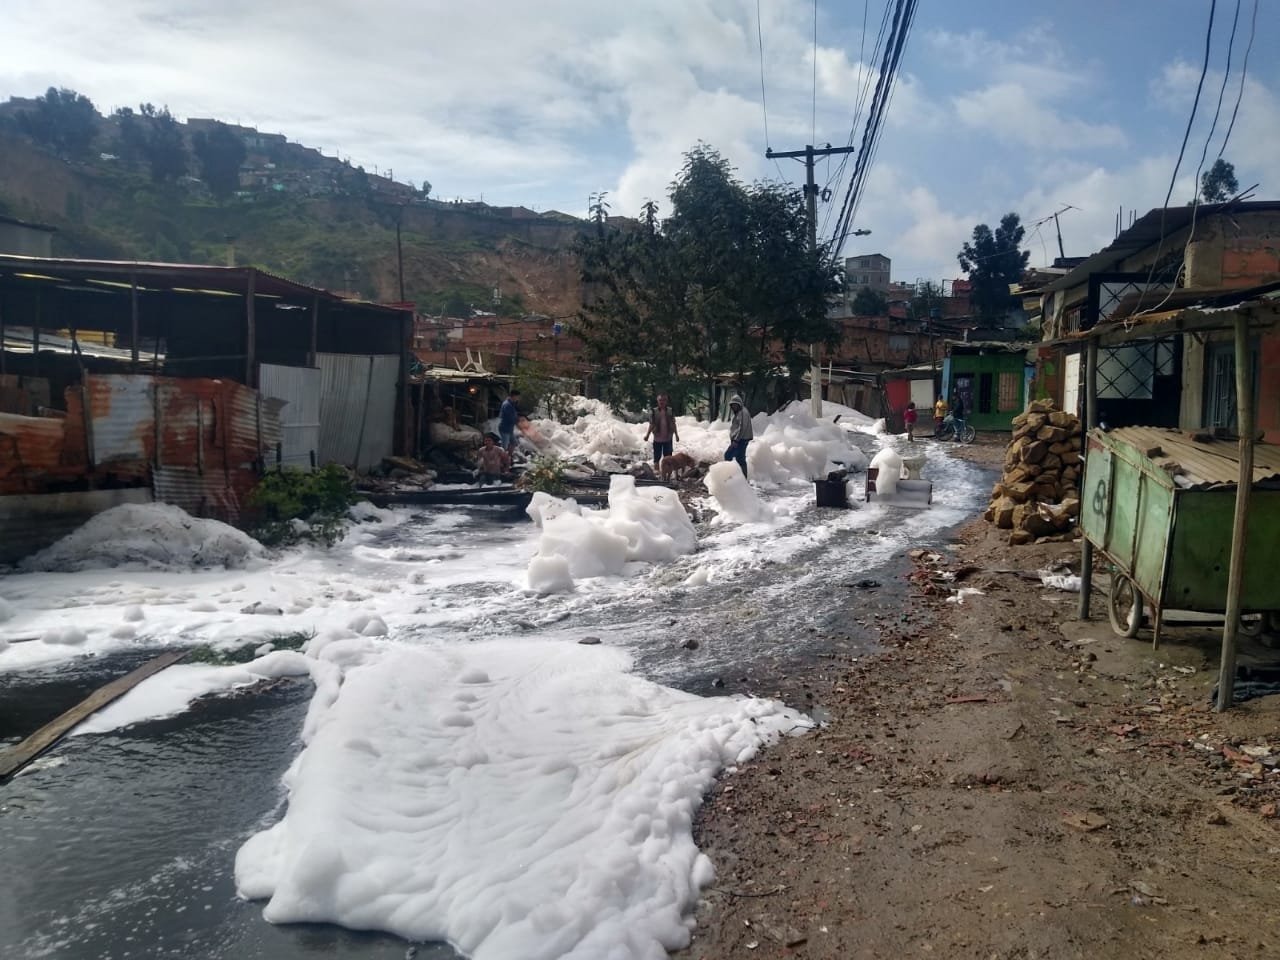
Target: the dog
pixel 677 466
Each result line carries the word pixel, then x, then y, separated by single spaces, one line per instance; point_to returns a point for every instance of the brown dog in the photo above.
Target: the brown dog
pixel 677 465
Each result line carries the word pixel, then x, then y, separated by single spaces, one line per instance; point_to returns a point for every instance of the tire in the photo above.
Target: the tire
pixel 1252 625
pixel 1124 606
pixel 970 434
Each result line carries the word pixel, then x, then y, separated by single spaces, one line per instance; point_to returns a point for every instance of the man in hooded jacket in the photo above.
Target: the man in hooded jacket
pixel 740 433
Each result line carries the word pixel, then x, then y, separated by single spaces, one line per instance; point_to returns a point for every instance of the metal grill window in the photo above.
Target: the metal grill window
pixel 1009 399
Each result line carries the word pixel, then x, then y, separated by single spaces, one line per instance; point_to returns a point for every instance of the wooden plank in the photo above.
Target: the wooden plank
pixel 1240 526
pixel 14 759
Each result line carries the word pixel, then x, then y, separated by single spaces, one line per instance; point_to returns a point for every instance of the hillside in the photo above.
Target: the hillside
pixel 452 253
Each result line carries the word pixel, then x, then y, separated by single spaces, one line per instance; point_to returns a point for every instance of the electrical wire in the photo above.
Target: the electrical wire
pixel 1217 110
pixel 764 101
pixel 1244 69
pixel 1195 105
pixel 861 100
pixel 904 13
pixel 813 110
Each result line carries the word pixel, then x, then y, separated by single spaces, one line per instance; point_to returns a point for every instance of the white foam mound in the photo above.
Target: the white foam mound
pixel 153 535
pixel 528 800
pixel 642 524
pixel 6 610
pixel 737 500
pixel 889 463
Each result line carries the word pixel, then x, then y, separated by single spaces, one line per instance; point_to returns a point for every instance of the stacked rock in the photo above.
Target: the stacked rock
pixel 1039 494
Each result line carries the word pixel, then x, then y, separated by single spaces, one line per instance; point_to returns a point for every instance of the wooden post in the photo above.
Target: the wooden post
pixel 1240 526
pixel 1090 421
pixel 251 334
pixel 133 322
pixel 315 328
pixel 401 446
pixel 417 430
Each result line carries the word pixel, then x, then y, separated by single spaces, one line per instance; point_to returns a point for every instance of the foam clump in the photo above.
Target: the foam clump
pixel 641 525
pixel 157 536
pixel 889 463
pixel 734 495
pixel 528 799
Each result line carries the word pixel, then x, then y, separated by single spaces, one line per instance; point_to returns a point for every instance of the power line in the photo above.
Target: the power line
pixel 1195 104
pixel 764 102
pixel 1217 111
pixel 813 111
pixel 1244 69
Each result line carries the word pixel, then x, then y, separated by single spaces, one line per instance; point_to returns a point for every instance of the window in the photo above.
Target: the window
pixel 899 343
pixel 984 392
pixel 1010 397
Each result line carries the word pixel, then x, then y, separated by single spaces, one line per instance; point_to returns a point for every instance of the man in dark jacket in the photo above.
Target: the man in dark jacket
pixel 740 432
pixel 508 417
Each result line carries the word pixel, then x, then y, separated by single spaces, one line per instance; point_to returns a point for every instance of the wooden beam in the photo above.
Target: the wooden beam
pixel 1090 421
pixel 15 758
pixel 315 330
pixel 251 334
pixel 133 322
pixel 1240 525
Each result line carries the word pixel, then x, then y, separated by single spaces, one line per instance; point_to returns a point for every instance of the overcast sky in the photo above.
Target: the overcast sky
pixel 1002 105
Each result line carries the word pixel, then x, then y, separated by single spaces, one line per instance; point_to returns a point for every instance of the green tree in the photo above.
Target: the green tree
pixel 1219 182
pixel 869 303
pixel 62 119
pixel 924 298
pixel 165 150
pixel 220 153
pixel 132 135
pixel 725 285
pixel 993 261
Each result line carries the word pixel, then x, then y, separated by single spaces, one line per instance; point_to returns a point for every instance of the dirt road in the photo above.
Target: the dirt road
pixel 1004 781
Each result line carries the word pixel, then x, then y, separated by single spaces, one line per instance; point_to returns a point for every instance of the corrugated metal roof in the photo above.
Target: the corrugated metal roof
pixel 1148 230
pixel 1204 463
pixel 192 277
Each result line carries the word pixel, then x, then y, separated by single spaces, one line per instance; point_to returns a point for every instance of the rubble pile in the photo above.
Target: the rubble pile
pixel 1038 495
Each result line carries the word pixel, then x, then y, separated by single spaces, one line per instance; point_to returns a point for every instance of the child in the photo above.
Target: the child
pixel 939 413
pixel 909 418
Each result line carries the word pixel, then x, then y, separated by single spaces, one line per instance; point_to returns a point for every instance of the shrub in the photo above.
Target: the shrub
pixel 545 474
pixel 296 505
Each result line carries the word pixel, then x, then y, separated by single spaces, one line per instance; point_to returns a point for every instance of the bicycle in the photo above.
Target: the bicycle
pixel 951 431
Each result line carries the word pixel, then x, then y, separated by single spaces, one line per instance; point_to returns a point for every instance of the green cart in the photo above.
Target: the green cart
pixel 1159 506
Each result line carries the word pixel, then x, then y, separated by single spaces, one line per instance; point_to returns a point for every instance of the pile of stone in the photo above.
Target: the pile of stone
pixel 1039 494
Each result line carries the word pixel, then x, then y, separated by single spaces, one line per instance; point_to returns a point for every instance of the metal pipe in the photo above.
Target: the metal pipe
pixel 1091 421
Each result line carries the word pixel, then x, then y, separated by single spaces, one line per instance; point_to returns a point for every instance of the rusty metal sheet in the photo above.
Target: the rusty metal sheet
pixel 30 451
pixel 202 493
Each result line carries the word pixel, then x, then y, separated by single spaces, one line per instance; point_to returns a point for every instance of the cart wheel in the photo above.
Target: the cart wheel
pixel 1125 606
pixel 1252 624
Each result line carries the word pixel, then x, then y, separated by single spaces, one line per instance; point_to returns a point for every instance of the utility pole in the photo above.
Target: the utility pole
pixel 811 211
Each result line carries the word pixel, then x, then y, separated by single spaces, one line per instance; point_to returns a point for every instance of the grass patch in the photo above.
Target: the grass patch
pixel 226 656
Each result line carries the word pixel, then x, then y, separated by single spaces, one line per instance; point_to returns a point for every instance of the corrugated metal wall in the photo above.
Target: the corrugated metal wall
pixel 357 408
pixel 298 388
pixel 34 521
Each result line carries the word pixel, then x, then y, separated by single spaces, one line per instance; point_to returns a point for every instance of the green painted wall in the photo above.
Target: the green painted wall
pixel 983 371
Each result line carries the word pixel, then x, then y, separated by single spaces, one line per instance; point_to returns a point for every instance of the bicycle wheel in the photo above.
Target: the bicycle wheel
pixel 1124 605
pixel 970 434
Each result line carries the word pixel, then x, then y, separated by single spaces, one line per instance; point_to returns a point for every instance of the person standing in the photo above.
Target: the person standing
pixel 740 432
pixel 491 461
pixel 939 414
pixel 909 418
pixel 957 414
pixel 662 426
pixel 508 417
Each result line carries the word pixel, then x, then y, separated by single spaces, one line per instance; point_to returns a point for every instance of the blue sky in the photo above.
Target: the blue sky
pixel 1024 106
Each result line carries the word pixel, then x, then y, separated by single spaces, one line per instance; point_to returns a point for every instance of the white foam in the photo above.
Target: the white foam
pixel 151 535
pixel 733 494
pixel 528 800
pixel 642 524
pixel 889 462
pixel 6 610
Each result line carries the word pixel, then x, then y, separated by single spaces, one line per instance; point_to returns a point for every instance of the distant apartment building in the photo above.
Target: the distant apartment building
pixel 867 270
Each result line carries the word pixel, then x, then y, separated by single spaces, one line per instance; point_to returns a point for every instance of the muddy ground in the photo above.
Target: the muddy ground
pixel 1004 781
